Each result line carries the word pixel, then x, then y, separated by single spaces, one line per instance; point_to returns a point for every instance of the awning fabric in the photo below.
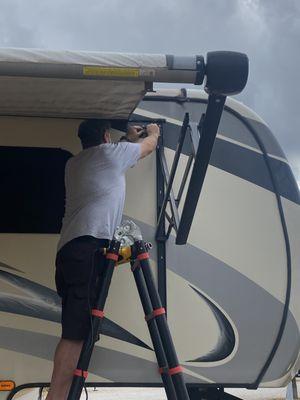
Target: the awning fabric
pixel 29 86
pixel 69 98
pixel 82 58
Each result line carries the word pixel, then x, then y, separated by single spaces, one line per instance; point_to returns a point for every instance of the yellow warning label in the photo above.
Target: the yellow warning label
pixel 116 72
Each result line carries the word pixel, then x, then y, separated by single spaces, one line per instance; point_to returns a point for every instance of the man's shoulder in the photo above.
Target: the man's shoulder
pixel 128 145
pixel 118 147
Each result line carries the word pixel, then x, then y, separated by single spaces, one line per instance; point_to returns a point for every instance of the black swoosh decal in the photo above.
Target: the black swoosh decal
pixel 243 163
pixel 44 303
pixel 3 265
pixel 226 339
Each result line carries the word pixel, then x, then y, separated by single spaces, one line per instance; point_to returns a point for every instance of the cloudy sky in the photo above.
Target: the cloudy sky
pixel 267 30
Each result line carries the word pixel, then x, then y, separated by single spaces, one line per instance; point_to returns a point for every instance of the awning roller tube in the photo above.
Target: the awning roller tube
pixel 220 66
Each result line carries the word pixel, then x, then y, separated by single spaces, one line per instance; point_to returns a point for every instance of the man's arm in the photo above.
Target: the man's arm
pixel 149 143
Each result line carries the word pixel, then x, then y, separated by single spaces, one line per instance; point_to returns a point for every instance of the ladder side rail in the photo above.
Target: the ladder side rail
pixel 80 374
pixel 174 368
pixel 153 330
pixel 170 227
pixel 161 242
pixel 171 200
pixel 195 136
pixel 169 218
pixel 173 170
pixel 184 178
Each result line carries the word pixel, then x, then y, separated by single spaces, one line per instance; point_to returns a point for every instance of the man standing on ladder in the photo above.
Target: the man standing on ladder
pixel 95 194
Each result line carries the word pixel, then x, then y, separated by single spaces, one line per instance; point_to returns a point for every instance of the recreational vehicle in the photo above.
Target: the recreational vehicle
pixel 225 238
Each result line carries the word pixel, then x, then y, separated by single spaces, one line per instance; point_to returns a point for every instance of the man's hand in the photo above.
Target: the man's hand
pixel 153 130
pixel 148 145
pixel 133 133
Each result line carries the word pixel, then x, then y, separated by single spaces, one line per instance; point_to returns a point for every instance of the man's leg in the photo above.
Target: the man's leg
pixel 65 361
pixel 75 284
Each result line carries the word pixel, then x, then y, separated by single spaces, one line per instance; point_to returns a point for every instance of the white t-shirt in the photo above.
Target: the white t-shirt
pixel 95 190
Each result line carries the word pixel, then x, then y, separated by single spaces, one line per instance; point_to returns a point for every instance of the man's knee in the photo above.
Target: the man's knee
pixel 70 346
pixel 68 352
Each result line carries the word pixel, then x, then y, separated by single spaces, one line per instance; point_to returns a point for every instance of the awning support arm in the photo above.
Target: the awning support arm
pixel 207 138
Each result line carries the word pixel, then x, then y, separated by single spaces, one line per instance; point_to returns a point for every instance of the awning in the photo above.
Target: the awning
pixel 68 98
pixel 79 84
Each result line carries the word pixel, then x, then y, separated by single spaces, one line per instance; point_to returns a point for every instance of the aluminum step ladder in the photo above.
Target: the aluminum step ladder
pixel 128 243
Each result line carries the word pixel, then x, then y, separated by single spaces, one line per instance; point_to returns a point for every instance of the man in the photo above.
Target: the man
pixel 95 194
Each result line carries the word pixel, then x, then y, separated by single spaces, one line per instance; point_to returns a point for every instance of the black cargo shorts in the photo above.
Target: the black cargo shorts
pixel 79 267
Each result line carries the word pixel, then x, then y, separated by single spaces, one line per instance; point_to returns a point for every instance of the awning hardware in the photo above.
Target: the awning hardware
pixel 226 73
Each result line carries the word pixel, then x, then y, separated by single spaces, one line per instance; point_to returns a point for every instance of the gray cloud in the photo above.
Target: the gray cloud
pixel 267 30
